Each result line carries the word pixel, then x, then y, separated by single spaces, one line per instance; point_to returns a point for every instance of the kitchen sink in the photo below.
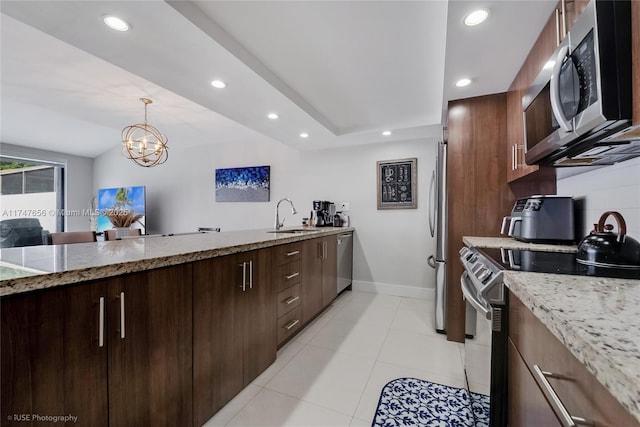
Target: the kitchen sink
pixel 294 231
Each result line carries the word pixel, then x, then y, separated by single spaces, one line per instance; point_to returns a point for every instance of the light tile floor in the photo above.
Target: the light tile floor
pixel 331 373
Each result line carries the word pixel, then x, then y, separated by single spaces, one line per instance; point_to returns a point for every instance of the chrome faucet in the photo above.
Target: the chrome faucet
pixel 279 224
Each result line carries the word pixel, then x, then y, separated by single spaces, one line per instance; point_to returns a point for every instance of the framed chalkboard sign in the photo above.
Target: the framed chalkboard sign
pixel 397 182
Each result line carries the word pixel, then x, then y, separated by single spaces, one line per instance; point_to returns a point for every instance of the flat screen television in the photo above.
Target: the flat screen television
pixel 121 207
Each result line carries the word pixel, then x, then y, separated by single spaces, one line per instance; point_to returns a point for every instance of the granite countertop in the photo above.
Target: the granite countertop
pixel 511 243
pixel 596 318
pixel 40 267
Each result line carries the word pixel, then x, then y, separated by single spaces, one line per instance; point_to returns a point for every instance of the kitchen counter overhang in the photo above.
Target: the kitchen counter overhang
pixel 40 267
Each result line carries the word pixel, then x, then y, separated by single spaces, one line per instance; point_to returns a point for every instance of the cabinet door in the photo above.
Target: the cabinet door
pixel 527 405
pixel 52 361
pixel 217 344
pixel 330 270
pixel 258 310
pixel 312 280
pixel 150 348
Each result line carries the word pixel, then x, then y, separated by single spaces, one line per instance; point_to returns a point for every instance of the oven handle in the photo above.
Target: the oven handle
pixel 554 86
pixel 471 298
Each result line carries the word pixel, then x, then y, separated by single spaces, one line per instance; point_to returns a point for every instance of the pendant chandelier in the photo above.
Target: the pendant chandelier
pixel 143 143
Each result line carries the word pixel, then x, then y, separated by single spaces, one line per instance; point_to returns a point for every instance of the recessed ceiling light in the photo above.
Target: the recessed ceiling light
pixel 115 23
pixel 272 116
pixel 218 84
pixel 463 82
pixel 386 133
pixel 476 17
pixel 304 135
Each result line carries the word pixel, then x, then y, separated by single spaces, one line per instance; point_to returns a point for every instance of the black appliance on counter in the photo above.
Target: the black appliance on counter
pixel 483 288
pixel 323 213
pixel 541 219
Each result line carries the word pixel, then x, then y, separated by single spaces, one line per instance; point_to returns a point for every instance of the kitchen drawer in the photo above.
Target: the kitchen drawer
pixel 288 275
pixel 289 252
pixel 289 324
pixel 580 392
pixel 288 299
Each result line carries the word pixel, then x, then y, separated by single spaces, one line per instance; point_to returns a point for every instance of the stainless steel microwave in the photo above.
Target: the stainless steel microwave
pixel 581 101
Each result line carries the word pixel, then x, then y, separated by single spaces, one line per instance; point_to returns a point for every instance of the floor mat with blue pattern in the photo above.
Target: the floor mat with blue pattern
pixel 415 402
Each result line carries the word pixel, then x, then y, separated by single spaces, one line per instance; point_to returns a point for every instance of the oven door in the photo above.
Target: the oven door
pixel 485 358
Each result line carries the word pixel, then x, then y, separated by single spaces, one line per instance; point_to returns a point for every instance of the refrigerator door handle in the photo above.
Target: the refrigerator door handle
pixel 432 204
pixel 431 261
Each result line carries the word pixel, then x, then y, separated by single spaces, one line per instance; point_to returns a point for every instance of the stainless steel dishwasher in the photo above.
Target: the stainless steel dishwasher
pixel 345 260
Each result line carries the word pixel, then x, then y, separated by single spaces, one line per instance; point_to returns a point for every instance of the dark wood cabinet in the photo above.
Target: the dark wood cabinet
pixel 532 344
pixel 321 275
pixel 290 280
pixel 329 270
pixel 52 362
pixel 478 195
pixel 149 319
pixel 527 405
pixel 312 283
pixel 234 327
pixel 114 352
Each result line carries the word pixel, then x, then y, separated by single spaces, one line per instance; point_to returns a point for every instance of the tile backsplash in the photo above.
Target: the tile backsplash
pixel 610 188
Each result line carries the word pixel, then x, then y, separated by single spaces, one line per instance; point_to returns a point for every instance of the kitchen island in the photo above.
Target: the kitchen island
pixel 40 267
pixel 596 319
pixel 154 330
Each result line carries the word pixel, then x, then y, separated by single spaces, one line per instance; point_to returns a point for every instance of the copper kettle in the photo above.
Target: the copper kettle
pixel 604 248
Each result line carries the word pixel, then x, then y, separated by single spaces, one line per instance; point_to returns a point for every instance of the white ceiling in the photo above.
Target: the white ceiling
pixel 343 71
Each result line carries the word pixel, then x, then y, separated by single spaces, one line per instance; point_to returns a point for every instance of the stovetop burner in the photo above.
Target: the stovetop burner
pixel 552 262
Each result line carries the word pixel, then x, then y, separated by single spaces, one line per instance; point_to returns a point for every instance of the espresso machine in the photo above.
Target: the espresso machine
pixel 323 213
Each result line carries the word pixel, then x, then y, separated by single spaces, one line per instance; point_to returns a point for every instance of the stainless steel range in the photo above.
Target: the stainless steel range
pixel 486 350
pixel 487 304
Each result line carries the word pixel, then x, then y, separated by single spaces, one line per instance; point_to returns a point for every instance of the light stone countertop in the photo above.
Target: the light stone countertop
pixel 40 267
pixel 596 318
pixel 511 243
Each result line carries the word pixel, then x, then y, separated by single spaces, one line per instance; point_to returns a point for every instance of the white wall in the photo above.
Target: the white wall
pixel 78 180
pixel 390 247
pixel 611 188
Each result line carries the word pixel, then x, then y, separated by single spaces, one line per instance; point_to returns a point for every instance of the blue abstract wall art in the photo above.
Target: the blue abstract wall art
pixel 248 184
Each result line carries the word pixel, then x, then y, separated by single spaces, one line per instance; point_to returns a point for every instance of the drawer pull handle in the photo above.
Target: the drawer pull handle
pixel 566 419
pixel 292 253
pixel 101 324
pixel 292 324
pixel 292 300
pixel 291 276
pixel 121 315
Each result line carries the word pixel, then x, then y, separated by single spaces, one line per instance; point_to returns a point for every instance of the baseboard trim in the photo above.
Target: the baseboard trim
pixel 396 290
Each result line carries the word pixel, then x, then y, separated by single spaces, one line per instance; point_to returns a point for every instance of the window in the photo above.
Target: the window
pixel 32 189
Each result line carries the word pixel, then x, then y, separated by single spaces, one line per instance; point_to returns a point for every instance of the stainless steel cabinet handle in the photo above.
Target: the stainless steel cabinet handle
pixel 513 157
pixel 292 300
pixel 566 419
pixel 101 324
pixel 121 315
pixel 558 38
pixel 291 276
pixel 564 18
pixel 291 324
pixel 250 274
pixel 244 276
pixel 293 253
pixel 324 250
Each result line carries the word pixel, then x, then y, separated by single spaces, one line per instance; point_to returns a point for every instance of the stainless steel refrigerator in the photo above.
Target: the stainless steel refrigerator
pixel 438 230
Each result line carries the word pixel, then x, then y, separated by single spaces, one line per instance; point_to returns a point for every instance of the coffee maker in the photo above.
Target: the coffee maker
pixel 323 213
